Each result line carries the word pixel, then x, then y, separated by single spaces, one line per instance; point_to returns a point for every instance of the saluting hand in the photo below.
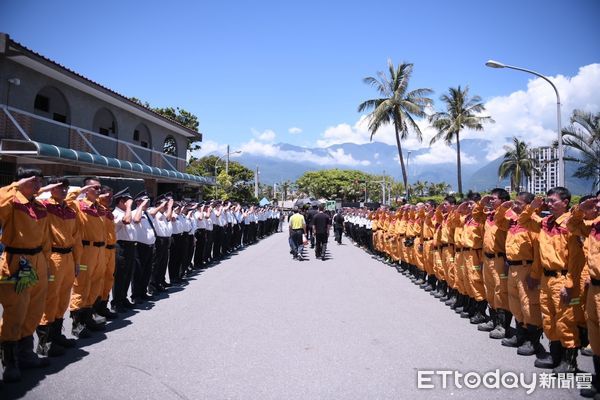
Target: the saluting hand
pixel 537 202
pixel 49 187
pixel 507 204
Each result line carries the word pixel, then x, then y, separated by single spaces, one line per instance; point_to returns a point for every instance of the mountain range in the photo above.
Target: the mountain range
pixel 479 174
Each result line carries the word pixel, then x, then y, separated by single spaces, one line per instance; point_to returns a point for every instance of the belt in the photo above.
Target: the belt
pixel 110 246
pixel 126 243
pixel 444 245
pixel 143 244
pixel 520 262
pixel 95 244
pixel 595 282
pixel 62 250
pixel 554 273
pixel 495 255
pixel 28 252
pixel 460 249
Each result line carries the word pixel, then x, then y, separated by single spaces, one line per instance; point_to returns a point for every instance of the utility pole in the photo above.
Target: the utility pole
pixel 256 183
pixel 227 161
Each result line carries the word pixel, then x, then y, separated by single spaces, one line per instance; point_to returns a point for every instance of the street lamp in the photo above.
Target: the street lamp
pixel 561 162
pixel 226 165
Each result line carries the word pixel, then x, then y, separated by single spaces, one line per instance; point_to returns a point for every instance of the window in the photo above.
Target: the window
pixel 60 118
pixel 170 146
pixel 103 131
pixel 136 135
pixel 42 103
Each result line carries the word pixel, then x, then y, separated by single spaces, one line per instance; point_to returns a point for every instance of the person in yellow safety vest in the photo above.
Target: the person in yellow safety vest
pixel 495 272
pixel 585 221
pixel 23 272
pixel 523 299
pixel 559 273
pixel 65 233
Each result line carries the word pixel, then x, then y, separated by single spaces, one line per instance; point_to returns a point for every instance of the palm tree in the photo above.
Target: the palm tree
pixel 518 163
pixel 461 112
pixel 396 105
pixel 584 135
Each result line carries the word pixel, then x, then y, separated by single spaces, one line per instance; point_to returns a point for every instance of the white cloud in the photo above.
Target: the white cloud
pixel 209 147
pixel 439 153
pixel 294 130
pixel 332 158
pixel 265 136
pixel 529 114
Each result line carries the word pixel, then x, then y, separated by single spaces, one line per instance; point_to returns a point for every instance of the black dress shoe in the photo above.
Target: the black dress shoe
pixel 146 296
pixel 127 304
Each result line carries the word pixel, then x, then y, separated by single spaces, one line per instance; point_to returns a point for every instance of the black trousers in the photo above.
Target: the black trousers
pixel 142 270
pixel 188 252
pixel 208 245
pixel 200 235
pixel 217 241
pixel 161 260
pixel 338 230
pixel 321 243
pixel 175 257
pixel 125 261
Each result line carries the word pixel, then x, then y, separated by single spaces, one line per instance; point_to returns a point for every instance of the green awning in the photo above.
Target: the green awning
pixel 54 153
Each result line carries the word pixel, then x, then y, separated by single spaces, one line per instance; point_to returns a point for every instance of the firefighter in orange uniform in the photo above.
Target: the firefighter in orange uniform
pixel 559 275
pixel 428 245
pixel 101 304
pixel 26 250
pixel 523 297
pixel 495 271
pixel 585 221
pixel 66 246
pixel 91 265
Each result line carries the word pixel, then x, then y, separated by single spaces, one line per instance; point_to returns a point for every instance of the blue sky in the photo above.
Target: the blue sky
pixel 251 71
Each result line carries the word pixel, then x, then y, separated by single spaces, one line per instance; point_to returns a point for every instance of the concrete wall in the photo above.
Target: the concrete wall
pixel 82 110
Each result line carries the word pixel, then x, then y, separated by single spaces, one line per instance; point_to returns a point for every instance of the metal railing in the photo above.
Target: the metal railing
pixel 20 124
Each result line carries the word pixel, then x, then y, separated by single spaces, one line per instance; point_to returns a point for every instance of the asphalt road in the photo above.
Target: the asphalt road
pixel 263 326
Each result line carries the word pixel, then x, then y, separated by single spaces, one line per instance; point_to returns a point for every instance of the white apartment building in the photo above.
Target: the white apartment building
pixel 547 165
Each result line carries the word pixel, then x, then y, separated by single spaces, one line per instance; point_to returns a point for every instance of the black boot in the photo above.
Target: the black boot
pixel 27 358
pixel 90 322
pixel 467 308
pixel 459 306
pixel 8 353
pixel 499 331
pixel 595 389
pixel 426 280
pixel 479 317
pixel 568 363
pixel 446 294
pixel 421 275
pixel 46 346
pixel 454 293
pixel 57 336
pixel 491 323
pixel 532 344
pixel 101 308
pixel 440 292
pixel 518 339
pixel 431 283
pixel 79 329
pixel 553 359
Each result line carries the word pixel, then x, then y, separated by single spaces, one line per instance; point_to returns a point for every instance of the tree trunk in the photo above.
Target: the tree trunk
pixel 401 157
pixel 458 167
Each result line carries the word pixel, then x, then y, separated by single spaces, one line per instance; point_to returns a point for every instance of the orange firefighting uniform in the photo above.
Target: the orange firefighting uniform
pixel 427 239
pixel 472 241
pixel 590 229
pixel 495 274
pixel 66 247
pixel 447 251
pixel 557 269
pixel 109 254
pixel 456 221
pixel 24 227
pixel 521 245
pixel 88 286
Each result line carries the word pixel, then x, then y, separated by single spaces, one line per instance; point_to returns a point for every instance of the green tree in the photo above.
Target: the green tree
pixel 238 185
pixel 179 115
pixel 461 112
pixel 397 105
pixel 517 163
pixel 584 136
